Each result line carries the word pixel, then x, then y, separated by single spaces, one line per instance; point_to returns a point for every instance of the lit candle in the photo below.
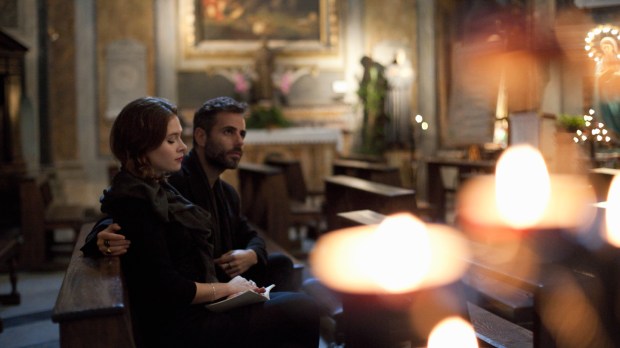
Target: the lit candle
pixel 453 332
pixel 523 196
pixel 612 213
pixel 400 255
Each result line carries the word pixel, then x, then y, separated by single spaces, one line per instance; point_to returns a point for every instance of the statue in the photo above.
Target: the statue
pixel 372 92
pixel 264 66
pixel 608 80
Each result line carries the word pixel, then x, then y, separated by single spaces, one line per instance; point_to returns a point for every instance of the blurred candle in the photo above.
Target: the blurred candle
pixel 453 332
pixel 612 213
pixel 400 255
pixel 523 196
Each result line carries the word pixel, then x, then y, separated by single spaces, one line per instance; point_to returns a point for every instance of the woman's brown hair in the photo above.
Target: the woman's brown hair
pixel 140 128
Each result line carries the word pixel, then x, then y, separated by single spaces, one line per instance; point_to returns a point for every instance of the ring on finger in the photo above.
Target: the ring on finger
pixel 108 251
pixel 106 242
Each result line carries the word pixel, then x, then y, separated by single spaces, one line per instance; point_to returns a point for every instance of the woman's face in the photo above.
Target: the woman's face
pixel 168 156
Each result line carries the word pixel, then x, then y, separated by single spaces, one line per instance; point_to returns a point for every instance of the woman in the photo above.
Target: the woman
pixel 169 268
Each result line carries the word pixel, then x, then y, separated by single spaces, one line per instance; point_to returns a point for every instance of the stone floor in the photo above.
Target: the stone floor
pixel 29 324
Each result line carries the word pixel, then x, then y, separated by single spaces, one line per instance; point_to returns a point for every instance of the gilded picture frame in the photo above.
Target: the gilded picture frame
pixel 235 28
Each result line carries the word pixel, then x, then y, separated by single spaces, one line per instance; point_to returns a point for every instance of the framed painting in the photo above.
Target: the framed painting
pixel 221 28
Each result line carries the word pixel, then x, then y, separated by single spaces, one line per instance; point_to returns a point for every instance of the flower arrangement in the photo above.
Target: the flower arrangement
pixel 570 123
pixel 267 117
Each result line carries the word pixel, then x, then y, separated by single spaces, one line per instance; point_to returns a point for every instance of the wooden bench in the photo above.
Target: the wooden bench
pixel 437 189
pixel 306 206
pixel 92 308
pixel 344 193
pixel 295 181
pixel 371 171
pixel 40 217
pixel 496 331
pixel 264 200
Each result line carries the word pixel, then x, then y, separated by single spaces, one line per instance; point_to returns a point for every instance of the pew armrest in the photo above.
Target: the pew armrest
pixel 92 307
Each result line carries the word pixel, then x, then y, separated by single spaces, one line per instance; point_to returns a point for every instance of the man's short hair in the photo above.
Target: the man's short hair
pixel 204 117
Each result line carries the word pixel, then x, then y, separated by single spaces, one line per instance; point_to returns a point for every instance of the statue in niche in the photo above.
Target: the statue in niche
pixel 372 92
pixel 399 75
pixel 264 67
pixel 608 82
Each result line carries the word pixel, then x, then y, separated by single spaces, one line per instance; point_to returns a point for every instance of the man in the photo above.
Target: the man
pixel 219 132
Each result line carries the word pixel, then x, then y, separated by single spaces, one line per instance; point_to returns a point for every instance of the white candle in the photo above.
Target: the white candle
pixel 612 213
pixel 453 332
pixel 400 255
pixel 523 196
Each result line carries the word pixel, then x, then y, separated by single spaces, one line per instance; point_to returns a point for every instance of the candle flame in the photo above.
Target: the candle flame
pixel 401 239
pixel 612 213
pixel 453 332
pixel 400 255
pixel 523 186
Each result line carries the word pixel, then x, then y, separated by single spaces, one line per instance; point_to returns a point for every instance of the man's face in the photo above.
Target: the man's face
pixel 224 144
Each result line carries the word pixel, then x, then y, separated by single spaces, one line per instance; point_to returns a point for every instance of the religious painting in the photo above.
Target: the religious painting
pixel 222 20
pixel 225 28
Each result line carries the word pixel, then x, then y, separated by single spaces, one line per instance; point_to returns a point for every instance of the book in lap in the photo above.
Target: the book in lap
pixel 245 298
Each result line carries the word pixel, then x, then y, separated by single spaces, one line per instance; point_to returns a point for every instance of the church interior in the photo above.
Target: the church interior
pixel 367 121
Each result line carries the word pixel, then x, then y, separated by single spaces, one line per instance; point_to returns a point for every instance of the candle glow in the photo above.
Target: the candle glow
pixel 453 332
pixel 402 239
pixel 612 213
pixel 515 187
pixel 400 255
pixel 522 195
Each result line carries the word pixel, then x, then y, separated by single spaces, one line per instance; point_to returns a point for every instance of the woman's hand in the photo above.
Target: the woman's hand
pixel 111 243
pixel 239 284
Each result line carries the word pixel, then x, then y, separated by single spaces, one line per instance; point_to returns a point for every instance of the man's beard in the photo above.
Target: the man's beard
pixel 219 159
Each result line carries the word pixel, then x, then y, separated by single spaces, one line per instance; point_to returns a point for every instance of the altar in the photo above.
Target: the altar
pixel 314 147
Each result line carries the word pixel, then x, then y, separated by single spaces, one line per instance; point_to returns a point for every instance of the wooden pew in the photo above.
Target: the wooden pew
pixel 371 171
pixel 264 200
pixel 437 190
pixel 92 308
pixel 344 193
pixel 295 181
pixel 266 203
pixel 383 173
pixel 40 216
pixel 306 206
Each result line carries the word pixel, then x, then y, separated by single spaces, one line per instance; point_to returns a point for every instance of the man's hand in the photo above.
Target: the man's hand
pixel 111 243
pixel 236 262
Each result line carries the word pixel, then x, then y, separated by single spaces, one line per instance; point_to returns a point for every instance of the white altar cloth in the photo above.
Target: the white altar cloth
pixel 295 135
